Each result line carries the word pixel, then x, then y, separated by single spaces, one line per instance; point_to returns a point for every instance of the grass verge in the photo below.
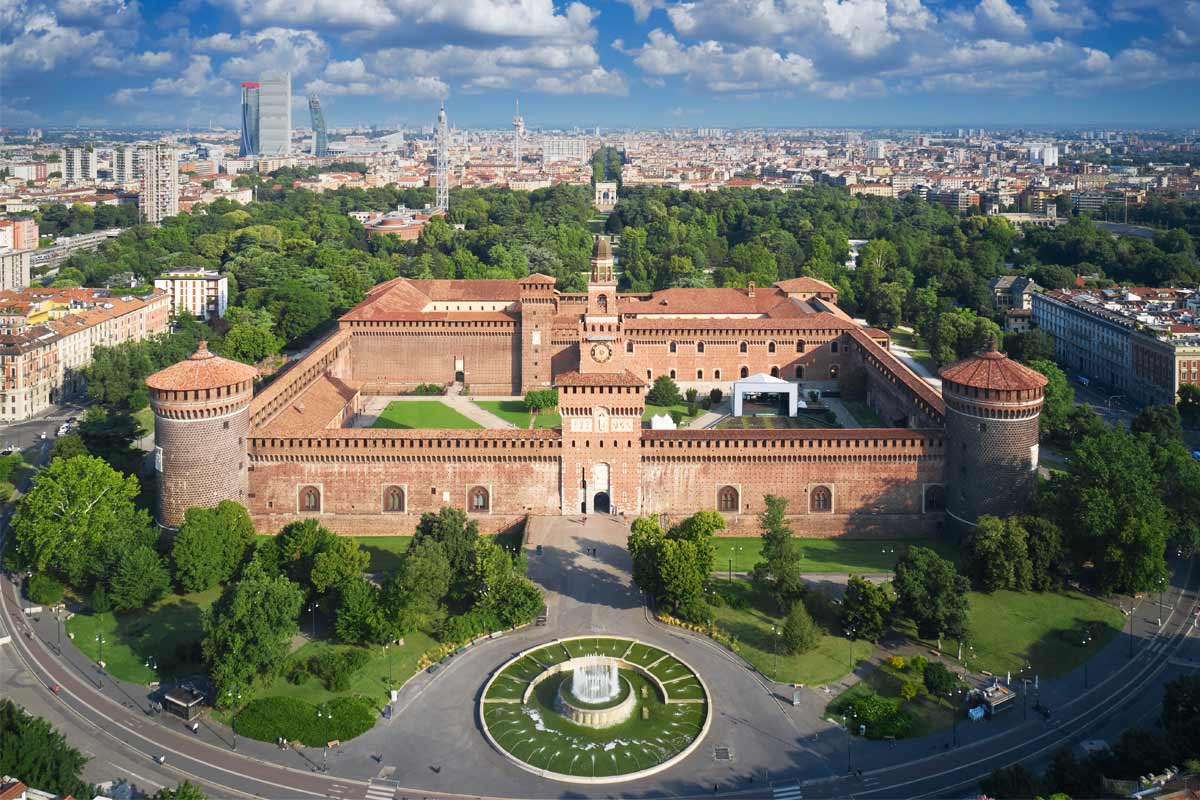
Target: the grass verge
pixel 514 411
pixel 422 415
pixel 829 555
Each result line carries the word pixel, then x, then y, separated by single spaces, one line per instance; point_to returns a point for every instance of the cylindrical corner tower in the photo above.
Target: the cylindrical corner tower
pixel 992 409
pixel 201 421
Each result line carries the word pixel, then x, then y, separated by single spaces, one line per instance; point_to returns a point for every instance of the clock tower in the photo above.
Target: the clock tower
pixel 601 406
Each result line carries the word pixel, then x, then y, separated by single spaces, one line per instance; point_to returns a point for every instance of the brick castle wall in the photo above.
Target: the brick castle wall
pixel 390 361
pixel 201 462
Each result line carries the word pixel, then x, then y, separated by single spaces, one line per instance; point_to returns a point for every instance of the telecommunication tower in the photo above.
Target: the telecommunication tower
pixel 443 162
pixel 518 135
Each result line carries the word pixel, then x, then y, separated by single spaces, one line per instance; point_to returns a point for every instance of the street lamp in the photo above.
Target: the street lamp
pixel 313 608
pixel 846 727
pixel 775 633
pixel 323 714
pixel 850 637
pixel 1086 641
pixel 100 641
pixel 236 697
pixel 957 706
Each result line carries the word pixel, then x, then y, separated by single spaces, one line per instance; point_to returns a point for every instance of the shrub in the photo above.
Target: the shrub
pixel 692 409
pixel 799 630
pixel 335 668
pixel 939 680
pixel 297 671
pixel 714 396
pixel 428 388
pixel 896 662
pixel 881 716
pixel 6 491
pixel 44 590
pixel 691 395
pixel 676 417
pixel 664 392
pixel 918 664
pixel 100 603
pixel 269 718
pixel 908 690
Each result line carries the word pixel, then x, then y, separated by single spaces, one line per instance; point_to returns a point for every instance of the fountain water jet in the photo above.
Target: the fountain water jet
pixel 595 680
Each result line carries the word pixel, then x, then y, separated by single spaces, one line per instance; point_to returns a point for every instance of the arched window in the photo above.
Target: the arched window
pixel 745 372
pixel 672 347
pixel 699 374
pixel 743 347
pixel 699 347
pixel 393 499
pixel 672 374
pixel 821 500
pixel 717 374
pixel 310 499
pixel 935 499
pixel 833 346
pixel 770 347
pixel 603 302
pixel 774 372
pixel 629 347
pixel 727 499
pixel 480 501
pixel 800 346
pixel 799 372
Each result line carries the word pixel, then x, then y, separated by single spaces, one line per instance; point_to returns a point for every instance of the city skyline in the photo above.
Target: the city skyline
pixel 634 63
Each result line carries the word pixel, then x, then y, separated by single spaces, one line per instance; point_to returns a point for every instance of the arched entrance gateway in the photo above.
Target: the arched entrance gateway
pixel 601 503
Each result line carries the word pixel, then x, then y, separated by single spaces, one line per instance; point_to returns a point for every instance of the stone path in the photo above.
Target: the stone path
pixel 905 355
pixel 840 412
pixel 372 407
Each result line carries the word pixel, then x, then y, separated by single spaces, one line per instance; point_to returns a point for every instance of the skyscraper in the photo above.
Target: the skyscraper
pixel 249 120
pixel 275 114
pixel 159 197
pixel 320 138
pixel 125 164
pixel 78 165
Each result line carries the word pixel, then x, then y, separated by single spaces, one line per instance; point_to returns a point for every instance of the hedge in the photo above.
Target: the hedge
pixel 269 718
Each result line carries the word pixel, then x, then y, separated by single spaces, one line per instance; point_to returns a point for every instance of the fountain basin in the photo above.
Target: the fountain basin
pixel 597 715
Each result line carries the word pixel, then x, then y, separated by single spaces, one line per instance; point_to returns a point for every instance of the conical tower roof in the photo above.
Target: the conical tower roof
pixel 203 369
pixel 992 369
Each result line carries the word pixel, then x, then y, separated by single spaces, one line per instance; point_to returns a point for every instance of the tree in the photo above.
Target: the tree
pixel 1161 423
pixel 779 571
pixel 1108 503
pixel 1069 776
pixel 1058 398
pixel 112 435
pixel 1048 561
pixel 1029 346
pixel 866 609
pixel 1180 710
pixel 250 344
pixel 211 545
pixel 1014 782
pixel 1189 404
pixel 139 579
pixel 645 541
pixel 699 529
pixel 77 517
pixel 931 593
pixel 247 631
pixel 39 755
pixel 413 598
pixel 800 633
pixel 999 555
pixel 68 446
pixel 341 561
pixel 939 680
pixel 664 392
pixel 539 400
pixel 681 579
pixel 359 619
pixel 184 791
pixel 457 534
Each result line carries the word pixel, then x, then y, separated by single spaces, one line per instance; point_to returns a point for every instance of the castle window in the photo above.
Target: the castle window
pixel 649 375
pixel 672 374
pixel 821 500
pixel 800 372
pixel 699 347
pixel 393 499
pixel 743 347
pixel 310 499
pixel 672 347
pixel 603 302
pixel 770 347
pixel 629 347
pixel 745 372
pixel 699 374
pixel 717 374
pixel 800 346
pixel 727 499
pixel 833 346
pixel 480 501
pixel 774 372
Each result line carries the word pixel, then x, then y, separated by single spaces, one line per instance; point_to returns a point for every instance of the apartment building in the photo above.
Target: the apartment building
pixel 200 293
pixel 159 197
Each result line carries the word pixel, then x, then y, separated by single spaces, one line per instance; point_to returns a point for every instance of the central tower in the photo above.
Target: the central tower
pixel 602 405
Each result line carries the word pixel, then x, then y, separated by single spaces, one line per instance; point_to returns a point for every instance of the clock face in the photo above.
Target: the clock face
pixel 601 353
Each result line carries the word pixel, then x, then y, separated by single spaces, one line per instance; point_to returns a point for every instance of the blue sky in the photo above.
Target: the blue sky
pixel 614 63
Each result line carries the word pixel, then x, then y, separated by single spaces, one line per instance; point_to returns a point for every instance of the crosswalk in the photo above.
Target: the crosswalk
pixel 786 791
pixel 380 791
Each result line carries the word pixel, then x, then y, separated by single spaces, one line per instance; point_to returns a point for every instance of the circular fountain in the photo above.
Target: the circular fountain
pixel 595 709
pixel 595 695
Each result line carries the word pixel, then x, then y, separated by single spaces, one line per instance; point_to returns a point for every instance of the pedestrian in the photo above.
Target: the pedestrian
pixel 195 727
pixel 585 520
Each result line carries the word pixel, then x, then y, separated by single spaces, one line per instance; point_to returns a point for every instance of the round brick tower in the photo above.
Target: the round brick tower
pixel 992 408
pixel 201 421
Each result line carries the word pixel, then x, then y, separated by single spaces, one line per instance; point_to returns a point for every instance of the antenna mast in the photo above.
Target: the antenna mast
pixel 518 135
pixel 443 162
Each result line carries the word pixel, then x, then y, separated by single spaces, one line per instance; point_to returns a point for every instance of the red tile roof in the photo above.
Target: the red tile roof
pixel 625 378
pixel 201 370
pixel 804 284
pixel 993 370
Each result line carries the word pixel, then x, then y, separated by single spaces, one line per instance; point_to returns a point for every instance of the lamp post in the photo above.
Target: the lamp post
pixel 100 641
pixel 313 608
pixel 850 638
pixel 775 636
pixel 957 706
pixel 1087 639
pixel 1131 609
pixel 236 698
pixel 323 714
pixel 846 726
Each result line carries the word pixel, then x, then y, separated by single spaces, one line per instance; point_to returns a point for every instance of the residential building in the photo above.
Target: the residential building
pixel 36 171
pixel 877 150
pixel 159 196
pixel 200 293
pixel 1140 344
pixel 126 165
pixel 560 148
pixel 250 112
pixel 1012 291
pixel 48 258
pixel 29 360
pixel 14 269
pixel 955 199
pixel 79 165
pixel 275 113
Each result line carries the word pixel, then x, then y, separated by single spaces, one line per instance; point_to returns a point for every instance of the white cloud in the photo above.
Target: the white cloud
pixel 142 62
pixel 997 16
pixel 642 8
pixel 1062 15
pixel 596 81
pixel 415 87
pixel 196 80
pixel 41 43
pixel 861 24
pixel 721 68
pixel 301 52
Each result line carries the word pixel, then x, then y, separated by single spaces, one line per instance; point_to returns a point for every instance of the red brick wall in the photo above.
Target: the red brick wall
pixel 652 355
pixel 394 360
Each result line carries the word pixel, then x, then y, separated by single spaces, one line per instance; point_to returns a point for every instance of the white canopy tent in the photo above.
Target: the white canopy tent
pixel 762 383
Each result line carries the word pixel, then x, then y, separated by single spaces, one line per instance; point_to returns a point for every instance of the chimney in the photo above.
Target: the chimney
pixel 750 289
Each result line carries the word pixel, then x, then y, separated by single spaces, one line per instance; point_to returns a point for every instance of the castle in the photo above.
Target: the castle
pixel 292 451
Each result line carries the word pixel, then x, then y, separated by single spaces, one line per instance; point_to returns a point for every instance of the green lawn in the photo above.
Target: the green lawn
pixel 821 419
pixel 1045 630
pixel 917 348
pixel 829 555
pixel 385 551
pixel 751 626
pixel 514 411
pixel 166 632
pixel 422 414
pixel 929 714
pixel 145 418
pixel 864 414
pixel 680 407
